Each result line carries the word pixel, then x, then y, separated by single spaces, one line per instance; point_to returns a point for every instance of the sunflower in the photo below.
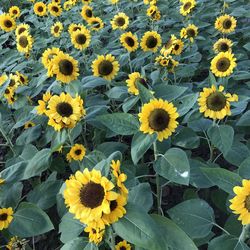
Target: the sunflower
pixel 169 46
pixel 2 181
pixel 88 195
pixel 24 42
pixel 105 66
pixel 14 81
pixel 123 245
pixel 114 1
pixel 15 12
pixel 150 41
pixel 22 28
pixel 40 8
pixel 42 107
pixel 241 202
pixel 158 116
pixel 95 234
pixel 81 39
pixel 56 29
pixel 86 1
pixel 55 9
pixel 9 95
pixel 135 78
pixel 3 79
pixel 6 216
pixel 67 5
pixel 225 24
pixel 154 12
pixel 120 21
pixel 167 62
pixel 187 6
pixel 23 79
pixel 87 12
pixel 214 103
pixel 129 41
pixel 151 2
pixel 7 23
pixel 77 152
pixel 178 47
pixel 223 45
pixel 75 27
pixel 65 67
pixel 96 23
pixel 56 1
pixel 191 31
pixel 223 64
pixel 29 124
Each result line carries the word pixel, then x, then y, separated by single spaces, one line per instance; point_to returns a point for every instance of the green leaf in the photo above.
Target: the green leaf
pixel 29 135
pixel 29 220
pixel 120 123
pixel 138 228
pixel 185 103
pixel 221 137
pixel 222 178
pixel 14 173
pixel 140 144
pixel 144 93
pixel 194 216
pixel 70 228
pixel 244 120
pixel 174 166
pixel 212 79
pixel 173 235
pixel 76 244
pixel 244 169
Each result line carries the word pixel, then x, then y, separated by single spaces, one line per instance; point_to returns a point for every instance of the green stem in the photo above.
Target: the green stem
pixel 244 233
pixel 8 140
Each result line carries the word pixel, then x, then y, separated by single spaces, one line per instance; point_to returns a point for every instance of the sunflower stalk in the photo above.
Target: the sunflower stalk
pixel 9 143
pixel 244 233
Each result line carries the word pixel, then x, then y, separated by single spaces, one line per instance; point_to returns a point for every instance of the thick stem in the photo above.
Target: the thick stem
pixel 244 233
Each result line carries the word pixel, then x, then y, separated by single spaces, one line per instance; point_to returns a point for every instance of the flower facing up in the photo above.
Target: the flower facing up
pixel 123 245
pixel 56 29
pixel 133 80
pixel 24 42
pixel 81 39
pixel 190 32
pixel 7 22
pixel 129 41
pixel 77 153
pixel 29 124
pixel 120 21
pixel 223 45
pixel 187 6
pixel 6 216
pixel 15 12
pixel 151 41
pixel 40 9
pixel 225 24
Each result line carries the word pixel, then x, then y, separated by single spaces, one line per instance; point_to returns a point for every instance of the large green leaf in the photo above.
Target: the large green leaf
pixel 244 120
pixel 244 169
pixel 144 93
pixel 76 244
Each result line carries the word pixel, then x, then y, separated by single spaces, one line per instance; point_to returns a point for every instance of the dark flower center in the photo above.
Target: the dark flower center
pixel 55 9
pixel 168 44
pixel 223 47
pixel 187 6
pixel 159 119
pixel 89 13
pixel 96 24
pixel 78 151
pixel 123 248
pixel 56 29
pixel 113 205
pixel 141 81
pixel 66 67
pixel 23 41
pixel 3 217
pixel 81 39
pixel 76 28
pixel 12 83
pixel 216 101
pixel 105 68
pixel 8 24
pixel 64 109
pixel 22 79
pixel 7 91
pixel 151 42
pixel 223 64
pixel 176 47
pixel 21 30
pixel 129 41
pixel 91 195
pixel 120 21
pixel 30 125
pixel 227 24
pixel 14 12
pixel 247 203
pixel 191 32
pixel 40 9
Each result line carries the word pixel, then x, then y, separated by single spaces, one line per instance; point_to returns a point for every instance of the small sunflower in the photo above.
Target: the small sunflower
pixel 9 94
pixel 87 12
pixel 154 12
pixel 15 243
pixel 23 79
pixel 120 21
pixel 187 6
pixel 3 79
pixel 24 42
pixel 96 23
pixel 55 9
pixel 56 29
pixel 75 27
pixel 88 195
pixel 190 32
pixel 7 23
pixel 29 124
pixel 223 64
pixel 42 107
pixel 67 5
pixel 77 152
pixel 225 24
pixel 6 216
pixel 167 62
pixel 135 78
pixel 129 41
pixel 178 47
pixel 105 66
pixel 22 28
pixel 151 2
pixel 169 46
pixel 150 41
pixel 81 39
pixel 214 103
pixel 158 116
pixel 223 45
pixel 123 245
pixel 65 67
pixel 14 11
pixel 40 9
pixel 241 202
pixel 95 234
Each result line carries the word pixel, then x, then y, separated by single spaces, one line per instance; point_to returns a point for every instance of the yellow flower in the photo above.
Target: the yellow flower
pixel 22 28
pixel 215 103
pixel 2 181
pixel 29 124
pixel 169 46
pixel 223 64
pixel 154 12
pixel 15 243
pixel 150 41
pixel 187 6
pixel 120 21
pixel 7 23
pixel 151 2
pixel 40 8
pixel 88 195
pixel 129 41
pixel 95 234
pixel 241 202
pixel 96 23
pixel 191 31
pixel 178 47
pixel 75 27
pixel 225 24
pixel 14 11
pixel 6 216
pixel 123 245
pixel 158 116
pixel 3 79
pixel 87 12
pixel 67 5
pixel 55 9
pixel 134 78
pixel 77 153
pixel 81 39
pixel 167 62
pixel 223 45
pixel 86 1
pixel 23 79
pixel 24 42
pixel 56 29
pixel 105 66
pixel 42 107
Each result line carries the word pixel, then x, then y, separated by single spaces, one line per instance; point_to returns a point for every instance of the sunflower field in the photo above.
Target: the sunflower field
pixel 125 124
